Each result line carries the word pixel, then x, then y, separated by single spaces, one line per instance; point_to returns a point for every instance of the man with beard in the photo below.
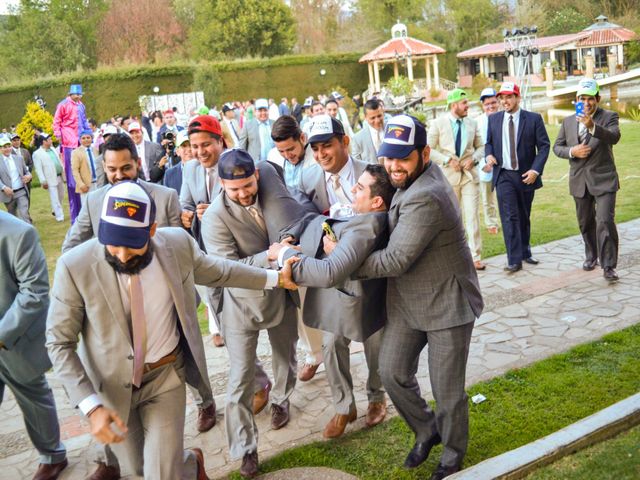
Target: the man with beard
pixel 136 314
pixel 433 297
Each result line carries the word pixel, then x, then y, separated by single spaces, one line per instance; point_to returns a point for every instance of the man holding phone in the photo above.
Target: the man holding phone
pixel 586 139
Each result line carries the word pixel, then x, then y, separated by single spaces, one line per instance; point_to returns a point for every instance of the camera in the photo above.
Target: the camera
pixel 170 147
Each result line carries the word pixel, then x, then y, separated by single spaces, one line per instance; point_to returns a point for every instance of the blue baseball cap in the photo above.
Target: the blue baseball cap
pixel 235 164
pixel 75 89
pixel 87 132
pixel 128 212
pixel 403 135
pixel 487 93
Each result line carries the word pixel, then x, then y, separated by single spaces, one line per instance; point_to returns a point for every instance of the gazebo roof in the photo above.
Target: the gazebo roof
pixel 400 45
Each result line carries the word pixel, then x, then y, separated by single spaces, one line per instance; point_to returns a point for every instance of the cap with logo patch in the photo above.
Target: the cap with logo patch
pixel 323 128
pixel 487 93
pixel 509 88
pixel 588 86
pixel 128 212
pixel 235 164
pixel 403 135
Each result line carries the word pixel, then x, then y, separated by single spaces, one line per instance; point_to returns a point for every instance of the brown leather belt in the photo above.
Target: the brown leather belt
pixel 172 357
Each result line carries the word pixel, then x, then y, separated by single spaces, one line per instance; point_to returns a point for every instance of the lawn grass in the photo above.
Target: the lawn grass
pixel 522 405
pixel 615 459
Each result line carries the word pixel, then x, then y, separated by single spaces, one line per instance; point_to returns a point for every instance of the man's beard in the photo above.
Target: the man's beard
pixel 410 177
pixel 134 266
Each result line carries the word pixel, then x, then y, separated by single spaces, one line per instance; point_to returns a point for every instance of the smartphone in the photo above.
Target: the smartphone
pixel 579 109
pixel 327 229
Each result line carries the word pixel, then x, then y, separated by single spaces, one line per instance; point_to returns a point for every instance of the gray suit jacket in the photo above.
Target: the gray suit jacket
pixel 314 186
pixel 153 153
pixel 362 148
pixel 86 225
pixel 596 173
pixel 85 301
pixel 353 308
pixel 432 282
pixel 194 188
pixel 229 231
pixel 5 177
pixel 24 299
pixel 250 138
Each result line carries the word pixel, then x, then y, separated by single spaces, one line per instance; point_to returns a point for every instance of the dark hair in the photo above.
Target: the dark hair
pixel 382 186
pixel 121 141
pixel 284 128
pixel 92 121
pixel 314 103
pixel 372 104
pixel 331 100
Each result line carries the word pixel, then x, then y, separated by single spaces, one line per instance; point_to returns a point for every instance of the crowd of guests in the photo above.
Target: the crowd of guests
pixel 299 228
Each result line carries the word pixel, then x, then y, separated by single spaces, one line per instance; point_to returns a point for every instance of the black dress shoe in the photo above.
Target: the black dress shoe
pixel 532 261
pixel 279 415
pixel 610 274
pixel 513 268
pixel 420 452
pixel 443 472
pixel 249 468
pixel 589 265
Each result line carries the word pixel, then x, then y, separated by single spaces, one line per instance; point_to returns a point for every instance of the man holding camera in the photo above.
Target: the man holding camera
pixel 152 156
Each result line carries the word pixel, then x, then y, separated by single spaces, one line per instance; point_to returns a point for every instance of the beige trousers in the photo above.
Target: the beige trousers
pixel 468 194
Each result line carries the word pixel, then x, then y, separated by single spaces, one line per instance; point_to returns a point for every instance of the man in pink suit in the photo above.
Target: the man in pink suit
pixel 69 120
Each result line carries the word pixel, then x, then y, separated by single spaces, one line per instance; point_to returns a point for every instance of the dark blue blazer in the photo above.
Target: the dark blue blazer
pixel 532 144
pixel 173 177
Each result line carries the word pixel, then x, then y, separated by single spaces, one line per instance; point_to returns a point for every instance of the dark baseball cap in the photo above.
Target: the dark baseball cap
pixel 235 164
pixel 403 135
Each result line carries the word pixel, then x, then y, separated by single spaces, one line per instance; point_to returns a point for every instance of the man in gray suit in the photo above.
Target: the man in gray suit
pixel 587 141
pixel 136 314
pixel 367 141
pixel 254 207
pixel 153 158
pixel 433 297
pixel 14 177
pixel 255 136
pixel 24 299
pixel 352 309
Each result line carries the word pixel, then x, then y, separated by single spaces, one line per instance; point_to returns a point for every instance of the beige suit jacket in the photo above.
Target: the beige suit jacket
pixel 86 302
pixel 80 167
pixel 443 147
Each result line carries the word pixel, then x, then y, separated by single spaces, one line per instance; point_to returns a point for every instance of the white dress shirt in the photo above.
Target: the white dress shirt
pixel 16 177
pixel 143 159
pixel 506 147
pixel 376 137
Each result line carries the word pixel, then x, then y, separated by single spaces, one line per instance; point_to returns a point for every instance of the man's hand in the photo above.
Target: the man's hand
pixel 186 217
pixel 26 178
pixel 100 421
pixel 580 151
pixel 468 164
pixel 455 164
pixel 287 274
pixel 7 191
pixel 163 161
pixel 487 168
pixel 200 209
pixel 45 185
pixel 328 245
pixel 274 251
pixel 529 177
pixel 491 160
pixel 84 189
pixel 586 120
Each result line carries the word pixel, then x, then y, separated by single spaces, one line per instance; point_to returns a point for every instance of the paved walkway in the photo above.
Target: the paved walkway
pixel 535 313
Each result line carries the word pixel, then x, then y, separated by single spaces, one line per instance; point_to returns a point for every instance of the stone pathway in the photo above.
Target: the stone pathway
pixel 533 314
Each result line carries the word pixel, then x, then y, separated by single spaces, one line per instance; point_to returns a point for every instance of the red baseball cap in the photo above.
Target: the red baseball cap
pixel 205 123
pixel 509 88
pixel 169 112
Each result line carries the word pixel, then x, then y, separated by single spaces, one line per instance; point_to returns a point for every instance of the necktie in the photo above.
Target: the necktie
pixel 235 133
pixel 459 138
pixel 512 143
pixel 582 133
pixel 257 217
pixel 338 190
pixel 139 328
pixel 210 181
pixel 93 167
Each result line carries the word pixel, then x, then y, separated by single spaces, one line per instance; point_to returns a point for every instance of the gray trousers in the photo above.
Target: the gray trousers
pixel 448 352
pixel 242 433
pixel 19 206
pixel 154 446
pixel 35 399
pixel 596 219
pixel 338 366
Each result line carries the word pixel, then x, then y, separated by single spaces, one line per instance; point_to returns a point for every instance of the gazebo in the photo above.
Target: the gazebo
pixel 402 48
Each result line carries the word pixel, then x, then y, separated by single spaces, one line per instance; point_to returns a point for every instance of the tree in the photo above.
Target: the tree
pixel 241 28
pixel 383 14
pixel 140 31
pixel 476 21
pixel 566 20
pixel 317 24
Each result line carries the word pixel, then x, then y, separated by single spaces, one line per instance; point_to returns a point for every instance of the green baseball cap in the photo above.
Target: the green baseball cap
pixel 455 96
pixel 588 86
pixel 203 110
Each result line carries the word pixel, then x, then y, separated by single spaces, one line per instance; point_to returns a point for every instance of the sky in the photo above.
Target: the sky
pixel 4 5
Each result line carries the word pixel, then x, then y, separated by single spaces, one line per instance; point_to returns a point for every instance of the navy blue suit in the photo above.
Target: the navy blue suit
pixel 514 196
pixel 173 177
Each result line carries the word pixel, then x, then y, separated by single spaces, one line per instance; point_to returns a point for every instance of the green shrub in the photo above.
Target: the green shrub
pixel 399 86
pixel 480 82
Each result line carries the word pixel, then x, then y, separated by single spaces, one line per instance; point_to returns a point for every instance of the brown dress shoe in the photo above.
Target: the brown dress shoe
pixel 338 423
pixel 201 473
pixel 307 372
pixel 206 418
pixel 50 471
pixel 218 340
pixel 105 472
pixel 279 415
pixel 260 399
pixel 249 468
pixel 376 411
